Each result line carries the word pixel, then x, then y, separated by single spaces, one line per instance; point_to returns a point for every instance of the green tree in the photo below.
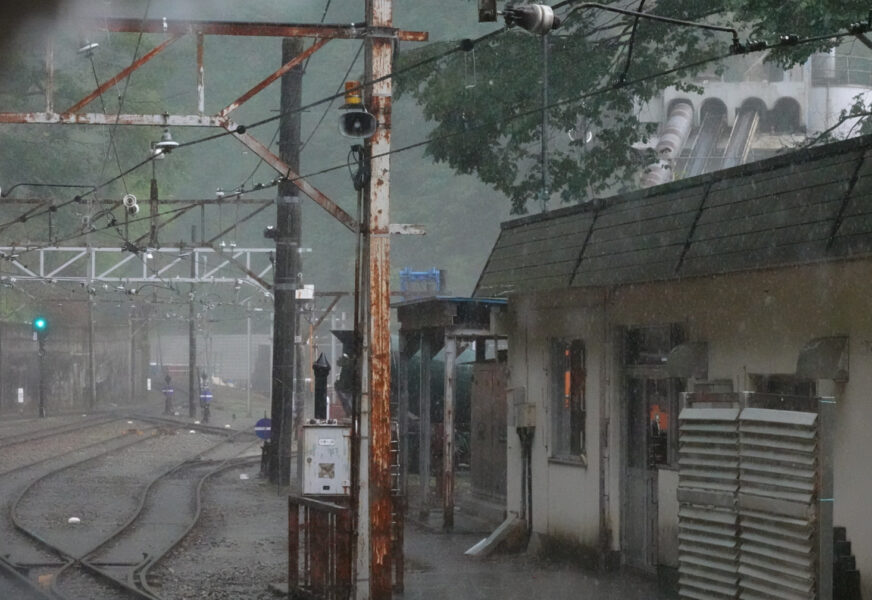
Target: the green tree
pixel 486 102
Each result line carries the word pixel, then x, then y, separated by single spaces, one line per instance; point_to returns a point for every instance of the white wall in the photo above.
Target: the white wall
pixel 753 323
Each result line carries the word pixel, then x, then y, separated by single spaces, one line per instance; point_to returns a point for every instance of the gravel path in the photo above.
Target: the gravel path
pixel 16 546
pixel 238 548
pixel 22 454
pixel 102 493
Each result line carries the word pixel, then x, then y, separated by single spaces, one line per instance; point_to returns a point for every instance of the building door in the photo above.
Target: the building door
pixel 488 431
pixel 640 484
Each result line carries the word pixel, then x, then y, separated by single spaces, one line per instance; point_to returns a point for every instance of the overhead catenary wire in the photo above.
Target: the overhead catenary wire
pixel 462 46
pixel 121 99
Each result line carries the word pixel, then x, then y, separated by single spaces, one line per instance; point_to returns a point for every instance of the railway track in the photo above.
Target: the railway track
pixel 18 586
pixel 28 435
pixel 111 559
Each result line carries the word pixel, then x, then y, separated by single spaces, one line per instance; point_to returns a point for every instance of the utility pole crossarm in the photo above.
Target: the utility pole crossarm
pixel 286 171
pixel 120 76
pixel 251 29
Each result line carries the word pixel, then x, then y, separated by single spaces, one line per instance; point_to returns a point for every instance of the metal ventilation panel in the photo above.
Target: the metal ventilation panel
pixel 778 504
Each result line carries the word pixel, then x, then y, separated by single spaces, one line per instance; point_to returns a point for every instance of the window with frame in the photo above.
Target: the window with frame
pixel 569 378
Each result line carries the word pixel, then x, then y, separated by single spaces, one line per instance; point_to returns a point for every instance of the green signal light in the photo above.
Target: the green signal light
pixel 39 323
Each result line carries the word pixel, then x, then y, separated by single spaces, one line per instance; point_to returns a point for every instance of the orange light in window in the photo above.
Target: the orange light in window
pixel 567 381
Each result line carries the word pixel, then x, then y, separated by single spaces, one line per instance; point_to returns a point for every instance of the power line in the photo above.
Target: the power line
pixel 785 41
pixel 121 99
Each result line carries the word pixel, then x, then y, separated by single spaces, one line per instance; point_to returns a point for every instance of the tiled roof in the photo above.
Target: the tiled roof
pixel 807 206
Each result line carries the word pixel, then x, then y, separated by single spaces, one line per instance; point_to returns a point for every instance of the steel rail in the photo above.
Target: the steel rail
pixel 152 561
pixel 40 542
pixel 73 561
pixel 23 438
pixel 51 458
pixel 35 592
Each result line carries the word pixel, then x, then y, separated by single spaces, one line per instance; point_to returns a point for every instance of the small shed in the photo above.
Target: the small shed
pixel 447 324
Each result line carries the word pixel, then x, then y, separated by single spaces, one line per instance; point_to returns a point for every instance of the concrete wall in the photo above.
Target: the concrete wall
pixel 753 323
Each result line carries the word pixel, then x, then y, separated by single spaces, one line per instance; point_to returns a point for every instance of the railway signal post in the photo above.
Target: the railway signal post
pixel 40 331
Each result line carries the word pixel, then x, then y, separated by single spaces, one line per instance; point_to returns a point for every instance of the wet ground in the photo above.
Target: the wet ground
pixel 438 569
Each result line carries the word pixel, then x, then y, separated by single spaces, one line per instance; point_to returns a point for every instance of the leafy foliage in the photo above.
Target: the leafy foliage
pixel 487 103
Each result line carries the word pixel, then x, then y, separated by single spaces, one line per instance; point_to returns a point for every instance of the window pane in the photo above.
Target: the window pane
pixel 568 401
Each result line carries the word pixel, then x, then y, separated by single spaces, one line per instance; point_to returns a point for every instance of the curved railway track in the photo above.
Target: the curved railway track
pixel 113 562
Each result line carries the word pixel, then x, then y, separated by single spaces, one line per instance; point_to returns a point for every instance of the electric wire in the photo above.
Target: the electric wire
pixel 631 43
pixel 121 98
pixel 276 134
pixel 112 147
pixel 785 41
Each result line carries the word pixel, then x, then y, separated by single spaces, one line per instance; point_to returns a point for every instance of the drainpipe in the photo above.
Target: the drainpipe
pixel 669 147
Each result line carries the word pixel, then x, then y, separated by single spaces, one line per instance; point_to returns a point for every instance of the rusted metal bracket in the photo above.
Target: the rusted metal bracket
pixel 286 171
pixel 122 74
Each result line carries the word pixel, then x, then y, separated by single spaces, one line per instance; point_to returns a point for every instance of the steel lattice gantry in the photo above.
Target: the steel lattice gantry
pixel 115 265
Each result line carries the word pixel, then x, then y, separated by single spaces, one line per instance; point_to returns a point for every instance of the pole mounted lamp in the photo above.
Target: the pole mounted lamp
pixel 164 145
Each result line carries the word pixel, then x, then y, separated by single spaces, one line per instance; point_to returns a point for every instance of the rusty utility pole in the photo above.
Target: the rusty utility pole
pixel 379 55
pixel 287 268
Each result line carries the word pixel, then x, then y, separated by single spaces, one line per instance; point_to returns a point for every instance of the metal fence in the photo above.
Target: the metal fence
pixel 840 69
pixel 319 549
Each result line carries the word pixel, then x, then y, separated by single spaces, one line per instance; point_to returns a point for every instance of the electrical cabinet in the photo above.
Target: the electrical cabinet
pixel 326 460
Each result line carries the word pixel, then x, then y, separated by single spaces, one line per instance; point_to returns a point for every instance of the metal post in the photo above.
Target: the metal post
pixel 153 209
pixel 192 334
pixel 333 352
pixel 546 51
pixel 131 353
pixel 424 415
pixel 403 409
pixel 287 266
pixel 248 361
pixel 448 436
pixel 92 359
pixel 41 378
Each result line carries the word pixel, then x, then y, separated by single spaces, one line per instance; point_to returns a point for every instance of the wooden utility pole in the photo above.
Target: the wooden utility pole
pixel 287 268
pixel 379 55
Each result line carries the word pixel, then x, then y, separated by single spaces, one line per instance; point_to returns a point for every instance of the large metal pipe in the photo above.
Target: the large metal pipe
pixel 672 140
